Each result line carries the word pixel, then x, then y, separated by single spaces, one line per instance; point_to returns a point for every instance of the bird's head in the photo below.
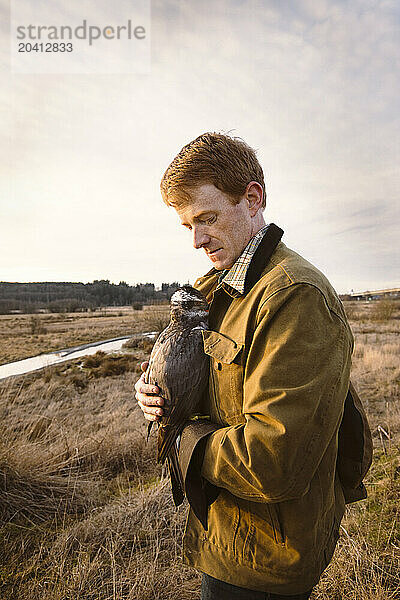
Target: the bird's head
pixel 188 304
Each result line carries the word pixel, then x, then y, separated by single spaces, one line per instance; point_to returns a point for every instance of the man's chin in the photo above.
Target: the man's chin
pixel 221 265
pixel 218 261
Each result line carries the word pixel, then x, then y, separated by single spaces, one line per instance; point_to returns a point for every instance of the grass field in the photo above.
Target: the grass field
pixel 86 514
pixel 23 336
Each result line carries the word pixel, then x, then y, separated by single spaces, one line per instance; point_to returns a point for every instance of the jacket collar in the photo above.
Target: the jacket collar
pixel 258 262
pixel 262 255
pixel 235 277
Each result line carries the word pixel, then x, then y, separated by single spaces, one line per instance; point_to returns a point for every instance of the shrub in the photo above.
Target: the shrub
pixel 156 319
pixel 354 311
pixel 140 343
pixel 106 365
pixel 36 326
pixel 383 310
pixel 137 306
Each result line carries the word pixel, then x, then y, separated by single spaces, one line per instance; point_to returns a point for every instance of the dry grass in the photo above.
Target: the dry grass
pixel 86 514
pixel 22 336
pixel 375 311
pixel 85 511
pixel 366 564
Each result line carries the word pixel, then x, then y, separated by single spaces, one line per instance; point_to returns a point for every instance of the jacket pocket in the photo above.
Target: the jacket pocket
pixel 264 544
pixel 226 376
pixel 224 523
pixel 276 522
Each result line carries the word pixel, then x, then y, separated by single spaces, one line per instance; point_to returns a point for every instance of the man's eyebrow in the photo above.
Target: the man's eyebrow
pixel 200 216
pixel 203 214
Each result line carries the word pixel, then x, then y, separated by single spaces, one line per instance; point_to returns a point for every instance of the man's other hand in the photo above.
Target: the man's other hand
pixel 147 397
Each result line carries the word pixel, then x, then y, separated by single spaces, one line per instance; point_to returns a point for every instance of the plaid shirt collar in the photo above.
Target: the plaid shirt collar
pixel 235 276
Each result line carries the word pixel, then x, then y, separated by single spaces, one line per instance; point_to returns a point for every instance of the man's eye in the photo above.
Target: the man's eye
pixel 211 220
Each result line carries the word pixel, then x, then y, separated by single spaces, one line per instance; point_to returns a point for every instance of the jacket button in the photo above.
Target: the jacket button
pixel 217 366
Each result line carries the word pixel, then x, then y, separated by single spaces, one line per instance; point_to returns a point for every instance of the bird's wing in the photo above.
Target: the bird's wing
pixel 155 373
pixel 185 377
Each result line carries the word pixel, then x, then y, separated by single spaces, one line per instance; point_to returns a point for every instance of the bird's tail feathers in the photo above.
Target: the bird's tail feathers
pixel 166 439
pixel 177 484
pixel 149 426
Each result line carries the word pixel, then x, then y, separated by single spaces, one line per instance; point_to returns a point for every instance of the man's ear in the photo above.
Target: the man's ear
pixel 254 196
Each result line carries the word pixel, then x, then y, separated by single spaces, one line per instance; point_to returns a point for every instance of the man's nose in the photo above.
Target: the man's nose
pixel 200 238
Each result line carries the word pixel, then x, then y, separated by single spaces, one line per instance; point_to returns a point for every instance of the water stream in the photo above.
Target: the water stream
pixel 27 365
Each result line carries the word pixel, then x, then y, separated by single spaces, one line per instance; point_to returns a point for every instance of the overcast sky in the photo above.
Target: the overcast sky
pixel 312 85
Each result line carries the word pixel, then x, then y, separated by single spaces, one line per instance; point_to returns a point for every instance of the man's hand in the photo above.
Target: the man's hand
pixel 147 397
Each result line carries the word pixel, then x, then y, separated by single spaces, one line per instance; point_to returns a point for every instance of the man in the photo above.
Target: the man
pixel 261 473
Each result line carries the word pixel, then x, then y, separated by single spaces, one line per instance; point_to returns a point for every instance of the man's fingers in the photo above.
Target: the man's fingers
pixel 146 400
pixel 150 417
pixel 146 395
pixel 145 388
pixel 152 413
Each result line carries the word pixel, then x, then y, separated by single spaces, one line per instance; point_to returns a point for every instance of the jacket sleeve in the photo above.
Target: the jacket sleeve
pixel 199 491
pixel 296 378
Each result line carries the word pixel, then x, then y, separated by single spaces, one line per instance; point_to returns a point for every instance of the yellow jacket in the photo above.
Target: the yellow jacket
pixel 280 358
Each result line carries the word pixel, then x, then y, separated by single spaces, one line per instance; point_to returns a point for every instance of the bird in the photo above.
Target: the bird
pixel 179 367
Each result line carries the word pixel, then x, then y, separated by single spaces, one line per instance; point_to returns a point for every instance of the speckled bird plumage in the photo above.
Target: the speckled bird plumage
pixel 179 367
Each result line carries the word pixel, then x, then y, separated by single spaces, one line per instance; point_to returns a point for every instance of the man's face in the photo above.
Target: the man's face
pixel 221 228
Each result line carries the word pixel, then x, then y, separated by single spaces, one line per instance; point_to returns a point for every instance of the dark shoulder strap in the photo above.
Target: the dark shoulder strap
pixel 354 447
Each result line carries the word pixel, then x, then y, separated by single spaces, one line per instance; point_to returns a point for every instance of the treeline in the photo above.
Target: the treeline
pixel 72 297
